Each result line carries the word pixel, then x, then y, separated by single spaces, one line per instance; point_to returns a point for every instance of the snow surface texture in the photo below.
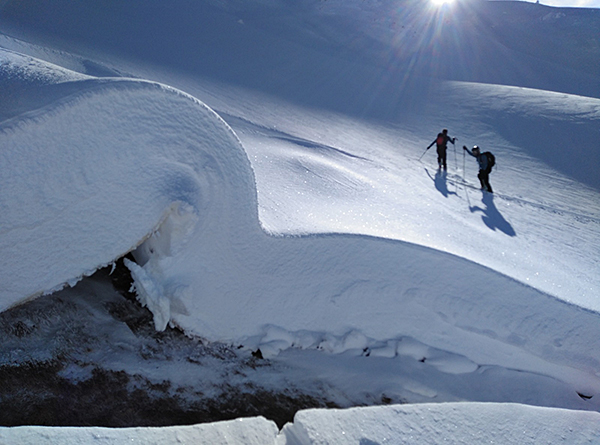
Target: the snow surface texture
pixel 250 431
pixel 451 423
pixel 171 178
pixel 98 167
pixel 109 176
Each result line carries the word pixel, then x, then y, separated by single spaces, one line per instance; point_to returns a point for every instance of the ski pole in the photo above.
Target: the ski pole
pixel 465 180
pixel 424 153
pixel 454 146
pixel 464 155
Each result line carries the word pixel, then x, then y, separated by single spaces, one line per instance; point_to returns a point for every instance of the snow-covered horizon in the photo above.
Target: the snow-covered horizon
pixel 279 196
pixel 575 4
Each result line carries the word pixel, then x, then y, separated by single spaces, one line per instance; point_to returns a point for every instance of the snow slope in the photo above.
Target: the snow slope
pixel 369 80
pixel 202 230
pixel 363 249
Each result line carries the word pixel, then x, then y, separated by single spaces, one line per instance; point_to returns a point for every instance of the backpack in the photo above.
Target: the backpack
pixel 440 139
pixel 491 160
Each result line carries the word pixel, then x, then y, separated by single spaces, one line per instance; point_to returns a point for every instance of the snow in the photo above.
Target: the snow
pixel 95 194
pixel 452 423
pixel 442 423
pixel 258 431
pixel 267 207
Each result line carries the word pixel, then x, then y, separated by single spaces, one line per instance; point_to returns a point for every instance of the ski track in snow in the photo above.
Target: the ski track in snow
pixel 551 208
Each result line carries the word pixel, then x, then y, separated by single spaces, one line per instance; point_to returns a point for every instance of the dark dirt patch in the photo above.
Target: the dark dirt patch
pixel 52 374
pixel 37 395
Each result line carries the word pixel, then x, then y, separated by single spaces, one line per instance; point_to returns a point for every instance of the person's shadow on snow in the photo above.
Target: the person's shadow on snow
pixel 440 183
pixel 492 217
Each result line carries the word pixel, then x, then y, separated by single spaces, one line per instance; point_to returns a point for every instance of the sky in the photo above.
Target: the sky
pixel 575 3
pixel 293 217
pixel 557 3
pixel 569 3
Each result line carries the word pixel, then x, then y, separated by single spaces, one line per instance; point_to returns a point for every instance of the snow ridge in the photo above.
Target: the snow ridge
pixel 134 165
pixel 114 156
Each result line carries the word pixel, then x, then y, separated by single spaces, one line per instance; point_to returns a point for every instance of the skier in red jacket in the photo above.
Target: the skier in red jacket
pixel 441 142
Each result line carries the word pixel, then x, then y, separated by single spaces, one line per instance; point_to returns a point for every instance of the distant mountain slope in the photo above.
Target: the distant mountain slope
pixel 262 44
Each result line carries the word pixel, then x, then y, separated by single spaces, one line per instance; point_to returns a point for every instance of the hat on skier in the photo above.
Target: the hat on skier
pixel 476 148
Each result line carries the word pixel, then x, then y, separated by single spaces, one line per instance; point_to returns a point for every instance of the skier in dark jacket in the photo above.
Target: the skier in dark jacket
pixel 441 142
pixel 484 167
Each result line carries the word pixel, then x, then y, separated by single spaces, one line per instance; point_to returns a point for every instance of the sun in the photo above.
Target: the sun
pixel 442 2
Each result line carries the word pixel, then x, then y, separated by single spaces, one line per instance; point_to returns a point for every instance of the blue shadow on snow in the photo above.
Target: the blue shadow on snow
pixel 491 216
pixel 440 183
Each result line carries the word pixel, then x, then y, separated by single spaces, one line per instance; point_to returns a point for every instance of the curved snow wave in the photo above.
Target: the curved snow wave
pixel 354 293
pixel 123 163
pixel 88 177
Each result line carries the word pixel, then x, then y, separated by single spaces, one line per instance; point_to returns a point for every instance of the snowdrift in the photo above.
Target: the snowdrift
pixel 443 423
pixel 128 165
pixel 249 431
pixel 112 159
pixel 452 423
